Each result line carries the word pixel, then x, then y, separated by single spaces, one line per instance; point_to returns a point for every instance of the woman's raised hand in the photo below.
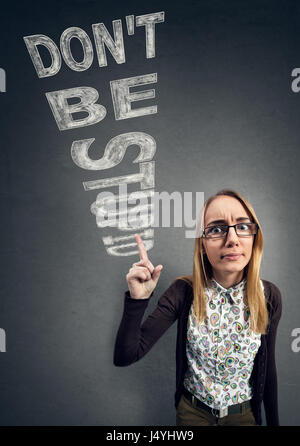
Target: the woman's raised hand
pixel 142 277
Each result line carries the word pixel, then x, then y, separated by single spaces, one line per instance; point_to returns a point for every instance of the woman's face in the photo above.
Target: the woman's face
pixel 230 211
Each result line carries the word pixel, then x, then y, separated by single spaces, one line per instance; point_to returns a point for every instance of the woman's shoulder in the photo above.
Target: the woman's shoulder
pixel 272 288
pixel 179 289
pixel 273 295
pixel 183 281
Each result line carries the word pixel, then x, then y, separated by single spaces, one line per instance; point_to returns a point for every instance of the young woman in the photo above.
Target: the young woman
pixel 227 320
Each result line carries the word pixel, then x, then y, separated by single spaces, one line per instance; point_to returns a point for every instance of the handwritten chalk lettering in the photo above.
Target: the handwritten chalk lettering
pixel 114 151
pixel 115 46
pixel 65 48
pixel 149 21
pixel 40 39
pixel 103 40
pixel 141 215
pixel 2 81
pixel 122 97
pixel 62 111
pixel 130 24
pixel 145 177
pixel 295 346
pixel 105 209
pixel 125 243
pixel 2 341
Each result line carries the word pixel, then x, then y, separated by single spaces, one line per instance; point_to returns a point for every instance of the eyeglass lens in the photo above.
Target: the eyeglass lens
pixel 242 229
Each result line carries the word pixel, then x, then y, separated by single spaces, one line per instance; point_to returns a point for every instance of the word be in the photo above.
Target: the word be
pixel 86 98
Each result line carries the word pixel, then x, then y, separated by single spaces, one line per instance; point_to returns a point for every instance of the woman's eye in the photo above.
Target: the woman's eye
pixel 215 229
pixel 244 227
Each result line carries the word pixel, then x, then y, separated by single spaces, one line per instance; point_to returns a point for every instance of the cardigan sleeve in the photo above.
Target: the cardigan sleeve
pixel 134 339
pixel 270 397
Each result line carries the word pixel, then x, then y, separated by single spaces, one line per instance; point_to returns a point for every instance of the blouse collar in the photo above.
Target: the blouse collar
pixel 235 291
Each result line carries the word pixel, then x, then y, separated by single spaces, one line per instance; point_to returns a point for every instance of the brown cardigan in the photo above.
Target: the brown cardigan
pixel 134 339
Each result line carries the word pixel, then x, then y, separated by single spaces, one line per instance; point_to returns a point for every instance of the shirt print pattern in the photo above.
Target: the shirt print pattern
pixel 221 351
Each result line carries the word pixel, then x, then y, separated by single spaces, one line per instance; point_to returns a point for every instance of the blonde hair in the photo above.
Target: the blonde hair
pixel 202 270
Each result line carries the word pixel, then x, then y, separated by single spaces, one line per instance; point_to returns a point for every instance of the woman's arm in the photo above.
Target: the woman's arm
pixel 270 397
pixel 134 340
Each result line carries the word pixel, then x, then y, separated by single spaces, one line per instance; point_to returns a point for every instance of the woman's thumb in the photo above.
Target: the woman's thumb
pixel 156 272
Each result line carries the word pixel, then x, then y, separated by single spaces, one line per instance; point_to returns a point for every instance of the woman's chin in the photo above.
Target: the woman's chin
pixel 232 268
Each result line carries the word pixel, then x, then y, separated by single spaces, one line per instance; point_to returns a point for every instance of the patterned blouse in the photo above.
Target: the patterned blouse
pixel 221 351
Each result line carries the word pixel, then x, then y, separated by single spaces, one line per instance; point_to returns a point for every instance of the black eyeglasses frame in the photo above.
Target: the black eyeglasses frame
pixel 230 226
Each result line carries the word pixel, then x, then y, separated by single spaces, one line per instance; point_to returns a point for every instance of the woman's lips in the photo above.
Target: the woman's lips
pixel 232 257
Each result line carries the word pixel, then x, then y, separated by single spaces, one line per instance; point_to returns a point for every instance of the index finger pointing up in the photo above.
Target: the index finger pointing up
pixel 142 249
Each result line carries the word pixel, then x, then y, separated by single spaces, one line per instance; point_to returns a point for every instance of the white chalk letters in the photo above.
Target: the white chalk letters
pixel 92 112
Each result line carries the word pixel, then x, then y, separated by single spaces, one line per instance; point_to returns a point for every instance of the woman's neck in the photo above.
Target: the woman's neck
pixel 228 280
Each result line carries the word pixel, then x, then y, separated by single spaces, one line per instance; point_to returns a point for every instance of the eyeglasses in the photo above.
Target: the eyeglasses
pixel 220 231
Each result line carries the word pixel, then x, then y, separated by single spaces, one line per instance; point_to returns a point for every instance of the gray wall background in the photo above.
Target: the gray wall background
pixel 227 117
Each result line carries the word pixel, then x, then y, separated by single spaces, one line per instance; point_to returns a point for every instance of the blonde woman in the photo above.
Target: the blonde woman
pixel 227 320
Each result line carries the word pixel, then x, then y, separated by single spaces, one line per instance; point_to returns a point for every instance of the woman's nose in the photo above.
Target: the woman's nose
pixel 232 236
